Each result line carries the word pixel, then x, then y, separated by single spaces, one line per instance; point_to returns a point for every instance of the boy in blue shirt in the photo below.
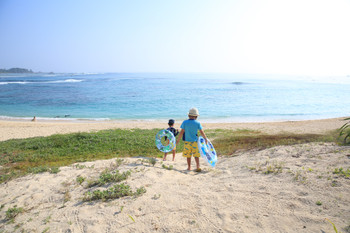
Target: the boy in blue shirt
pixel 190 128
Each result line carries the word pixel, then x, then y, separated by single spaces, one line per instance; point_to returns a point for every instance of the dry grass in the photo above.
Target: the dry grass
pixel 229 142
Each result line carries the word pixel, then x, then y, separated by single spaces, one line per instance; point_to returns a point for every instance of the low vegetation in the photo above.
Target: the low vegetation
pixel 19 157
pixel 41 154
pixel 269 167
pixel 108 177
pixel 342 172
pixel 344 132
pixel 114 192
pixel 228 142
pixel 170 167
pixel 11 213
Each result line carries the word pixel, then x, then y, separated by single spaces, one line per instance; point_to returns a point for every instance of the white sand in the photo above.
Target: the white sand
pixel 235 196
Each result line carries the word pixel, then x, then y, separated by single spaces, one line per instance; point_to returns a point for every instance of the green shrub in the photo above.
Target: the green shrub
pixel 108 177
pixel 11 213
pixel 152 161
pixel 80 179
pixel 342 172
pixel 140 191
pixel 36 170
pixel 170 167
pixel 54 170
pixel 345 132
pixel 117 191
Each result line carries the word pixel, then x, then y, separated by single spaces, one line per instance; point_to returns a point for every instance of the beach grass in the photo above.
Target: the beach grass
pixel 228 142
pixel 114 192
pixel 19 157
pixel 11 213
pixel 41 154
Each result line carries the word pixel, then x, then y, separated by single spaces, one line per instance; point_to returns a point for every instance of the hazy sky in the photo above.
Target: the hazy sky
pixel 310 37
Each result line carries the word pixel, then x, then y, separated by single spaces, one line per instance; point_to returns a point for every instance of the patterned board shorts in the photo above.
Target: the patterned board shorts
pixel 191 149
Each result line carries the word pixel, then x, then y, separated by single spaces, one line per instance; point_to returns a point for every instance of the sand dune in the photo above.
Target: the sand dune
pixel 281 189
pixel 300 192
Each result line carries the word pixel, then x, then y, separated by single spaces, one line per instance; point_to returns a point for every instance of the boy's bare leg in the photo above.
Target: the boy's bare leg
pixel 197 162
pixel 174 155
pixel 164 158
pixel 189 164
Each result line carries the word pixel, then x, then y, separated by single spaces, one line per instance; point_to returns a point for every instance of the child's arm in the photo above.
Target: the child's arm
pixel 204 136
pixel 176 132
pixel 180 136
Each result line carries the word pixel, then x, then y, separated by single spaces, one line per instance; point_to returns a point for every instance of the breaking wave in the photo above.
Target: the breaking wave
pixel 33 82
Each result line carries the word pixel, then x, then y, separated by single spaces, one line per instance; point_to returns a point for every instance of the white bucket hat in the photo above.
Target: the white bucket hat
pixel 193 112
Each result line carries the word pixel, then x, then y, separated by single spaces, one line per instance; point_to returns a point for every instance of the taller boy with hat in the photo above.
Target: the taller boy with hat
pixel 190 128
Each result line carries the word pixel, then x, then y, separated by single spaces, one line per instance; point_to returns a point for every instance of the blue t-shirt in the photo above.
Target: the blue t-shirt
pixel 191 128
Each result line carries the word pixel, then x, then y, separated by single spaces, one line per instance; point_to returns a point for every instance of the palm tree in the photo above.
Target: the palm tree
pixel 345 131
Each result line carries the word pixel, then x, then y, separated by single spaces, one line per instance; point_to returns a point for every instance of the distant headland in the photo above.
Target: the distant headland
pixel 22 71
pixel 16 70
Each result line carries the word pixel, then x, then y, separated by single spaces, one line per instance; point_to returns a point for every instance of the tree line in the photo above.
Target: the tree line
pixel 16 70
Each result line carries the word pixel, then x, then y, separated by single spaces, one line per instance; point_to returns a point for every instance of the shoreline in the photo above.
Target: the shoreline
pixel 201 119
pixel 14 129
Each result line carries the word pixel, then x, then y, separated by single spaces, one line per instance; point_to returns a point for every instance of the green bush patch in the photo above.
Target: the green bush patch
pixel 342 172
pixel 19 157
pixel 108 177
pixel 11 213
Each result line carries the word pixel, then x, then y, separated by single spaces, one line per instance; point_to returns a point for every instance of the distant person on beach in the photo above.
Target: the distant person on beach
pixel 190 128
pixel 175 132
pixel 34 118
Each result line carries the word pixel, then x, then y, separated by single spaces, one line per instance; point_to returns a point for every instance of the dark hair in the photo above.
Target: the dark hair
pixel 171 122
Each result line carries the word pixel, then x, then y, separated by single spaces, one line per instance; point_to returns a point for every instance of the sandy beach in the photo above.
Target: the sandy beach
pixel 280 189
pixel 26 129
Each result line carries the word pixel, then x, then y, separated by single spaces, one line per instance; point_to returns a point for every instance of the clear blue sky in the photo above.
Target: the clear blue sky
pixel 248 36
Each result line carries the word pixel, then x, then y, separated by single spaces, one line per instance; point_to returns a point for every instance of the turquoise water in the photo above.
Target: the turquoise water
pixel 219 97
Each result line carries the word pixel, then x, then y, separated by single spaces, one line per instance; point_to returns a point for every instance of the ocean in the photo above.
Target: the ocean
pixel 161 96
